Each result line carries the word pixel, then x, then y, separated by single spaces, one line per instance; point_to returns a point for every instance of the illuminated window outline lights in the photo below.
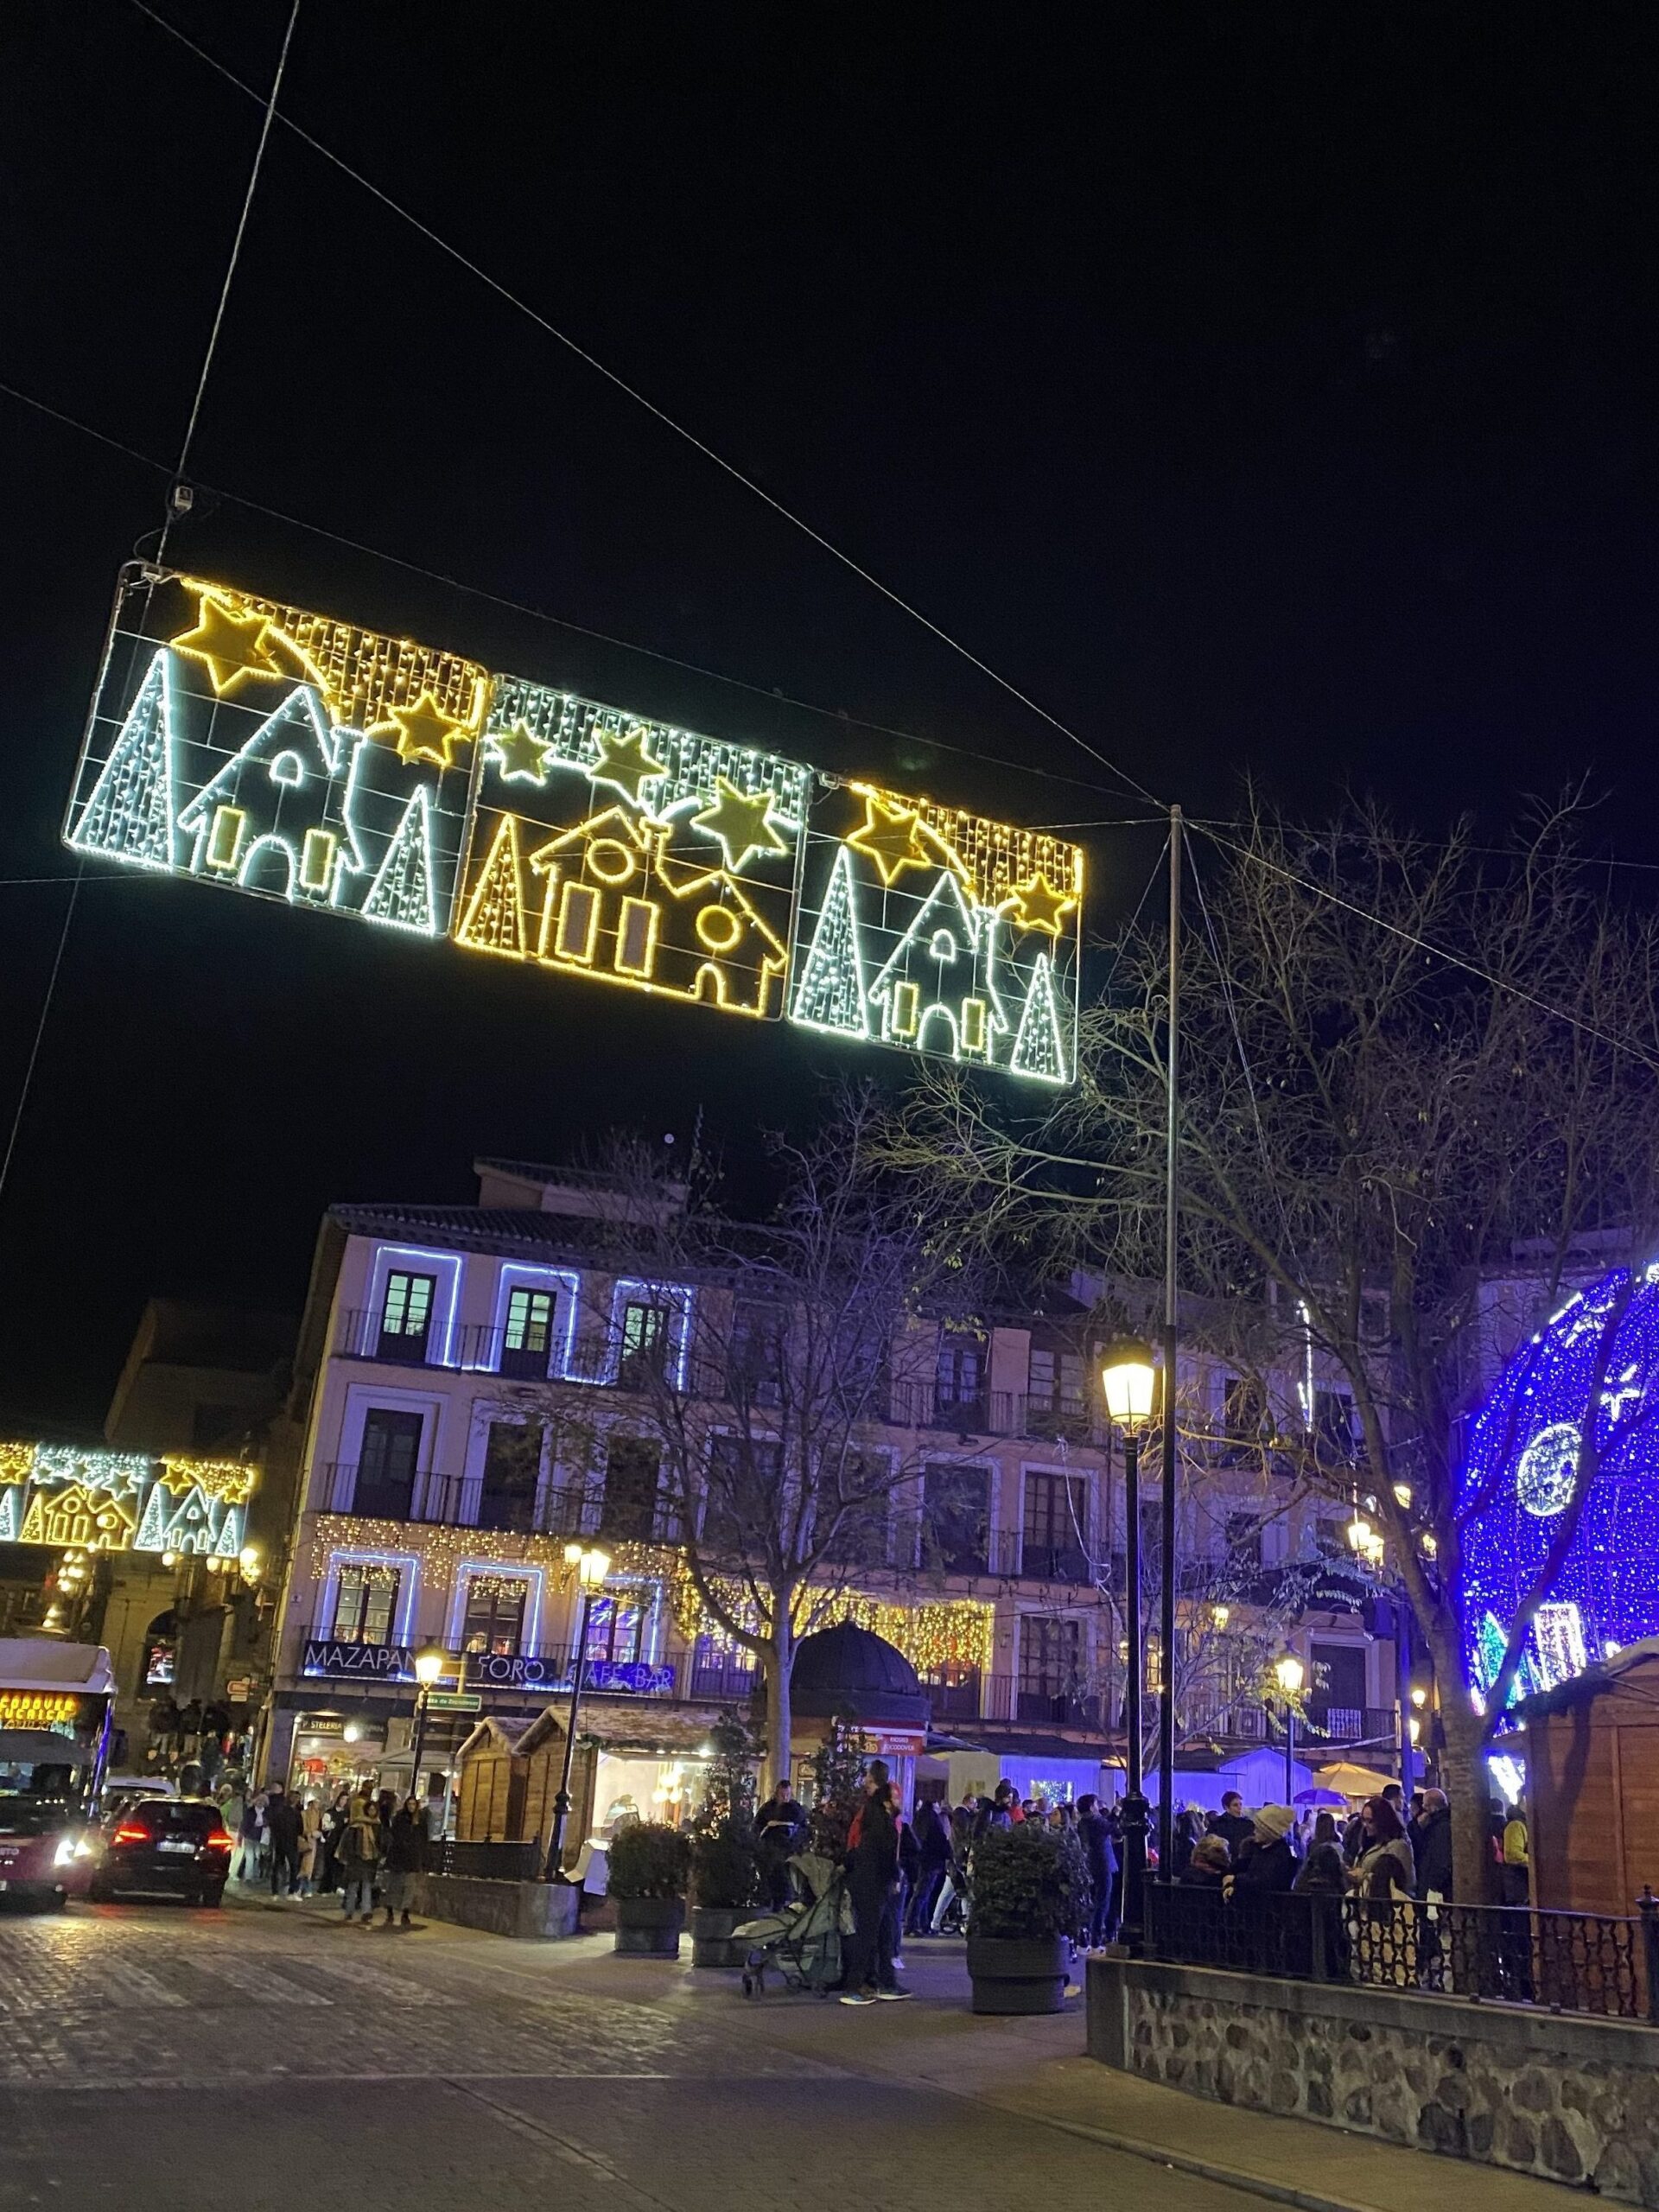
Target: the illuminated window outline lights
pixel 678 1298
pixel 522 1274
pixel 408 1565
pixel 517 1570
pixel 445 1265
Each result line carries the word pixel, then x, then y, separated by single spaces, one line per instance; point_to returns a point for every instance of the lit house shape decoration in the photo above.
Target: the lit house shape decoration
pixel 278 816
pixel 93 1519
pixel 262 748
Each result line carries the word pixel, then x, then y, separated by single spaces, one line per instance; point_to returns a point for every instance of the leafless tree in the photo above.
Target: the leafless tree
pixel 1401 1063
pixel 759 1383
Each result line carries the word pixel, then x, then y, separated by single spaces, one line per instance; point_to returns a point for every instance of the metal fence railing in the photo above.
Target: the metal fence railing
pixel 1513 1954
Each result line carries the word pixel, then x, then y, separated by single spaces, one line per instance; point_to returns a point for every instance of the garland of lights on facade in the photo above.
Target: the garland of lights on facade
pixel 240 742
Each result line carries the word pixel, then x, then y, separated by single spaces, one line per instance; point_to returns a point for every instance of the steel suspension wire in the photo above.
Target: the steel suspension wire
pixel 669 423
pixel 173 511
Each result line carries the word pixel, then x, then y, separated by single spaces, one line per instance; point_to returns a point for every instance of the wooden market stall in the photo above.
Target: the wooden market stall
pixel 1591 1747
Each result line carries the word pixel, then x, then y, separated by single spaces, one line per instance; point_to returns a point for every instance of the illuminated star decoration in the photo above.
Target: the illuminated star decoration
pixel 740 825
pixel 1038 906
pixel 232 646
pixel 426 733
pixel 518 755
pixel 890 836
pixel 624 762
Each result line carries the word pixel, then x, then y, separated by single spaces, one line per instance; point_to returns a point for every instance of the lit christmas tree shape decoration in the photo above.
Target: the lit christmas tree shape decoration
pixel 613 847
pixel 259 748
pixel 967 930
pixel 266 749
pixel 62 1494
pixel 1529 1481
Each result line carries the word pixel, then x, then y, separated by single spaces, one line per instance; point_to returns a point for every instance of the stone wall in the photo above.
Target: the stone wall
pixel 1570 2099
pixel 541 1910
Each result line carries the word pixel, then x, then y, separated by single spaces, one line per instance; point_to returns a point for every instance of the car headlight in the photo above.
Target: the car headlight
pixel 72 1847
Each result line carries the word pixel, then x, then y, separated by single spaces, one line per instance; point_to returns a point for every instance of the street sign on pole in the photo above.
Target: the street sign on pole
pixel 455 1701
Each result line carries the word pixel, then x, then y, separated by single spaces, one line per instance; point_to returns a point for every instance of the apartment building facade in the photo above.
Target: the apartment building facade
pixel 442 1349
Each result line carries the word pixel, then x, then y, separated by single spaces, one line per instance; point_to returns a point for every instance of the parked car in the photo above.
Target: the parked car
pixel 164 1846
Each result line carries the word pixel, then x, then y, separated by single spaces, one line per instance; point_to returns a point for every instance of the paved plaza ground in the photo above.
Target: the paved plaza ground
pixel 261 2057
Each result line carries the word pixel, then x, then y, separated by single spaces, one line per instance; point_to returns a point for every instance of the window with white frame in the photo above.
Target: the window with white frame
pixel 497 1603
pixel 365 1602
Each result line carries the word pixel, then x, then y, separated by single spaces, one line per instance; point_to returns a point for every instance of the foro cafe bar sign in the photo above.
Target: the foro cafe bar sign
pixel 261 748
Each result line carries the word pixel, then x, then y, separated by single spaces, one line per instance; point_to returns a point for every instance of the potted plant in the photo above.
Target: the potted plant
pixel 1026 1905
pixel 725 1852
pixel 649 1864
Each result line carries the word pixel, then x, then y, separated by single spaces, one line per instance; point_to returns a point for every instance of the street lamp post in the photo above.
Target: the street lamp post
pixel 1290 1674
pixel 591 1566
pixel 1128 1379
pixel 430 1663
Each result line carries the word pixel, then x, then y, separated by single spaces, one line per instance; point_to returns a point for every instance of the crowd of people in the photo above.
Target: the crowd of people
pixel 363 1844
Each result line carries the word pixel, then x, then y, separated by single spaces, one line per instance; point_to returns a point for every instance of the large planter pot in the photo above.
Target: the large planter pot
pixel 712 1944
pixel 650 1926
pixel 1017 1974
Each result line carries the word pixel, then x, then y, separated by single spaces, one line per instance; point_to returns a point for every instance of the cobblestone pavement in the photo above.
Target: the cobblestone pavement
pixel 156 2056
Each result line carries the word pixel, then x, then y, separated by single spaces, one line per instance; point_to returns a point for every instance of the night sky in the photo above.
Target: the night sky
pixel 1266 390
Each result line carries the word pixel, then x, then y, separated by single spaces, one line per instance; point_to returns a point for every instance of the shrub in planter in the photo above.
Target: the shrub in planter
pixel 1027 1901
pixel 649 1866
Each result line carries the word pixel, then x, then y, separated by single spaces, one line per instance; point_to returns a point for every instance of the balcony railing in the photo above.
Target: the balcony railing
pixel 1251 1721
pixel 1050 1417
pixel 483 1347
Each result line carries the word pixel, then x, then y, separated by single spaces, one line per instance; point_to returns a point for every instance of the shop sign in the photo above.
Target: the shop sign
pixel 385 1662
pixel 513 1670
pixel 633 1676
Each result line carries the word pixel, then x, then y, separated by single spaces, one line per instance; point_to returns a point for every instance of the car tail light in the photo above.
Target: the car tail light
pixel 131 1832
pixel 221 1840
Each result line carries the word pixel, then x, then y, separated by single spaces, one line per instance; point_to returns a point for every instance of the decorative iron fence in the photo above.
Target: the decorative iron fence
pixel 1512 1955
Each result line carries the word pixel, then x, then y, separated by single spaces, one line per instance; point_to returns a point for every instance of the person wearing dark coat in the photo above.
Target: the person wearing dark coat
pixel 1431 1844
pixel 406 1839
pixel 1096 1838
pixel 778 1825
pixel 1269 1866
pixel 1232 1823
pixel 284 1823
pixel 871 1875
pixel 933 1856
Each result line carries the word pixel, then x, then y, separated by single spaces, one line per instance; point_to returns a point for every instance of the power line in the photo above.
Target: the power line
pixel 1438 951
pixel 669 421
pixel 771 693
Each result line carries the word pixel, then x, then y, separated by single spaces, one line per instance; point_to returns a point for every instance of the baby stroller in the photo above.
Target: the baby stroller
pixel 803 1941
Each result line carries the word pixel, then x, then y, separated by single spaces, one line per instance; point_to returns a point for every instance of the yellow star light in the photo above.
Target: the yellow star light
pixel 426 733
pixel 518 755
pixel 889 836
pixel 624 762
pixel 1038 906
pixel 740 825
pixel 233 647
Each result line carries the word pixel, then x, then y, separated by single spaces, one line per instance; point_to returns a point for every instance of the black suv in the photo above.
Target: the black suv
pixel 164 1846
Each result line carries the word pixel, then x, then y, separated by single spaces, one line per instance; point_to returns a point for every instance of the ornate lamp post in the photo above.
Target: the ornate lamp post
pixel 1130 1382
pixel 430 1663
pixel 1290 1674
pixel 592 1566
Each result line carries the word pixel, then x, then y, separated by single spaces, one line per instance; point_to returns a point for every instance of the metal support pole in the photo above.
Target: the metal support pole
pixel 1290 1752
pixel 1170 1521
pixel 420 1695
pixel 1132 1924
pixel 561 1802
pixel 1402 1678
